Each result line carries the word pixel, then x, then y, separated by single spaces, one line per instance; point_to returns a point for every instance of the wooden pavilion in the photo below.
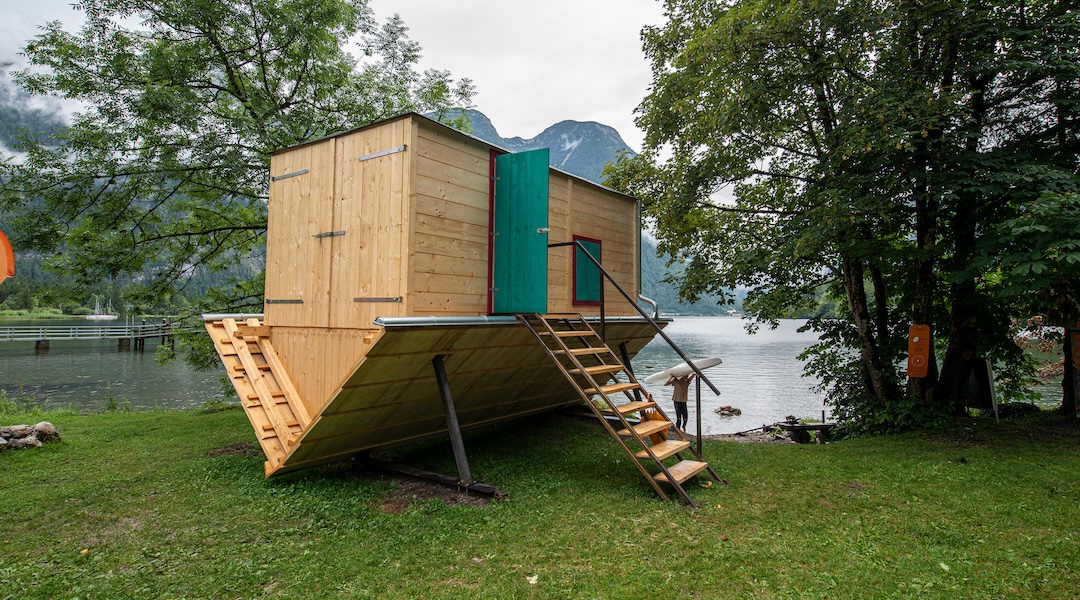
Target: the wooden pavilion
pixel 420 281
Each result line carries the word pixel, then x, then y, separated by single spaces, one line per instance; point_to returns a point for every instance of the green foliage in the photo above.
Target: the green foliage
pixel 914 162
pixel 166 167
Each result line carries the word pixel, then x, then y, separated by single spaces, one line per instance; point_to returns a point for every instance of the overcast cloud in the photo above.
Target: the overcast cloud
pixel 533 64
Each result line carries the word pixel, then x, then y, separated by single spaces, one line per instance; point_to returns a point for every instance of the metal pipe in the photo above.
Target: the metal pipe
pixel 699 416
pixel 652 303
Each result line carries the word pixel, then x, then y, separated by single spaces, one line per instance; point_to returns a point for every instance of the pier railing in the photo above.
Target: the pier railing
pixel 38 333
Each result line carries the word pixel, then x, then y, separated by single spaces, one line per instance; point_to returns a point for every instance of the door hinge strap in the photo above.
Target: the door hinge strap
pixel 268 301
pixel 394 299
pixel 288 175
pixel 400 148
pixel 329 234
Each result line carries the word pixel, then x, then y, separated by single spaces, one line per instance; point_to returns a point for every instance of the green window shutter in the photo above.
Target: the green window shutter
pixel 586 274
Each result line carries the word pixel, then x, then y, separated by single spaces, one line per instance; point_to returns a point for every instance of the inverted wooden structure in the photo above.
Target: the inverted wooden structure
pixel 394 244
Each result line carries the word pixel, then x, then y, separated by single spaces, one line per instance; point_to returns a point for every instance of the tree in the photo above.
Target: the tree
pixel 166 165
pixel 868 147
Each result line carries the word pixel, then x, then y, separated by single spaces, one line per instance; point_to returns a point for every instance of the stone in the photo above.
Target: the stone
pixel 3 444
pixel 46 432
pixel 15 432
pixel 24 442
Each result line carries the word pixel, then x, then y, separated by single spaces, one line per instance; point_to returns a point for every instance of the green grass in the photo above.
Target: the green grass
pixel 132 505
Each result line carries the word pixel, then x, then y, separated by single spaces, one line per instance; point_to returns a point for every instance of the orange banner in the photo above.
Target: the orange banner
pixel 7 258
pixel 918 351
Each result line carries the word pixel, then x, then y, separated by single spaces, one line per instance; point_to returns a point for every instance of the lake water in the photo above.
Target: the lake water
pixel 760 374
pixel 85 374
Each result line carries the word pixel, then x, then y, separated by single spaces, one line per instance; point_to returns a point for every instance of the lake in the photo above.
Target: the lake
pixel 760 374
pixel 85 374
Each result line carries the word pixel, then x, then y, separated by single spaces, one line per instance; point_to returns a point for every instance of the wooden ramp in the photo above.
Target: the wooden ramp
pixel 496 371
pixel 658 449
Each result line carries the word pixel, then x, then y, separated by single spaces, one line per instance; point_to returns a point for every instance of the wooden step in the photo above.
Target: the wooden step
pixel 599 369
pixel 584 351
pixel 646 428
pixel 631 407
pixel 682 471
pixel 665 449
pixel 614 388
pixel 573 333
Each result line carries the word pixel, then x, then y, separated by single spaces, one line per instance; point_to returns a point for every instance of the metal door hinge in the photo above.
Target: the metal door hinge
pixel 329 234
pixel 400 148
pixel 288 175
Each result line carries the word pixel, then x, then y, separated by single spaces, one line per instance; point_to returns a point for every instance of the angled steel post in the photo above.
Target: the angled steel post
pixel 452 422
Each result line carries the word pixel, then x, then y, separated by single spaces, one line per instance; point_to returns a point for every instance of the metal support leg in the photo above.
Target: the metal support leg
pixel 452 422
pixel 698 410
pixel 626 363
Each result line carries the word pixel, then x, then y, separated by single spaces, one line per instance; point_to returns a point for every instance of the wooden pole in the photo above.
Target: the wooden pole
pixel 452 426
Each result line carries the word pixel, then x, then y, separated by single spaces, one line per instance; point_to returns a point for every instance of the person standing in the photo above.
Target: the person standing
pixel 679 393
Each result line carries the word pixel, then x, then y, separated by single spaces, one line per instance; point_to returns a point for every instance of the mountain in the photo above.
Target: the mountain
pixel 579 148
pixel 19 116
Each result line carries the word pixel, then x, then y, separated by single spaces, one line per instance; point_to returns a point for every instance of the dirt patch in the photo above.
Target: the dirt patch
pixel 753 437
pixel 406 490
pixel 239 449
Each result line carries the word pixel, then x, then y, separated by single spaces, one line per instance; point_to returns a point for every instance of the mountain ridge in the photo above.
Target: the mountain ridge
pixel 580 148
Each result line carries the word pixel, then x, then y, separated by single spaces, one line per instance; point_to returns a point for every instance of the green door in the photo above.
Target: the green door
pixel 520 238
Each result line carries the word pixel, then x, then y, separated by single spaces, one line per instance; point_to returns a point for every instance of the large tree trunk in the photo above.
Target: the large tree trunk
pixel 961 352
pixel 869 348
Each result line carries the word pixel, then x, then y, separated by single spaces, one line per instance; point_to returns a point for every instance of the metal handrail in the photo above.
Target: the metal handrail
pixel 29 333
pixel 659 330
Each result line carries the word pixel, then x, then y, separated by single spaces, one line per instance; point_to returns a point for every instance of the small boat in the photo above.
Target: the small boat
pixel 100 314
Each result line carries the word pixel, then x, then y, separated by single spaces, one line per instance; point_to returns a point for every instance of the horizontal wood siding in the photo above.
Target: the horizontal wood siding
pixel 584 209
pixel 448 261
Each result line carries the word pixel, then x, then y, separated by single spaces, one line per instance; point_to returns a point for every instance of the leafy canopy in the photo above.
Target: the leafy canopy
pixel 165 165
pixel 917 160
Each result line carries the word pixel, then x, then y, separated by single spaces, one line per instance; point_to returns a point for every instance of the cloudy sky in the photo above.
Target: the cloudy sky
pixel 534 64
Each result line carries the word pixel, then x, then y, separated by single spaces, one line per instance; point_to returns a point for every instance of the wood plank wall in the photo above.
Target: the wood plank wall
pixel 297 262
pixel 451 230
pixel 369 262
pixel 450 224
pixel 579 208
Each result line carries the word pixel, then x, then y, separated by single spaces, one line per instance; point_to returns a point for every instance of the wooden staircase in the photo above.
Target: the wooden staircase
pixel 610 390
pixel 266 392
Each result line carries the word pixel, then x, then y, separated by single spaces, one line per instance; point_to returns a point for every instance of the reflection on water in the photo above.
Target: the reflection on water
pixel 761 374
pixel 85 374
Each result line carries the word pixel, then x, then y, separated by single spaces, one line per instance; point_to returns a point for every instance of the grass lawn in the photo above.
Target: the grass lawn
pixel 138 505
